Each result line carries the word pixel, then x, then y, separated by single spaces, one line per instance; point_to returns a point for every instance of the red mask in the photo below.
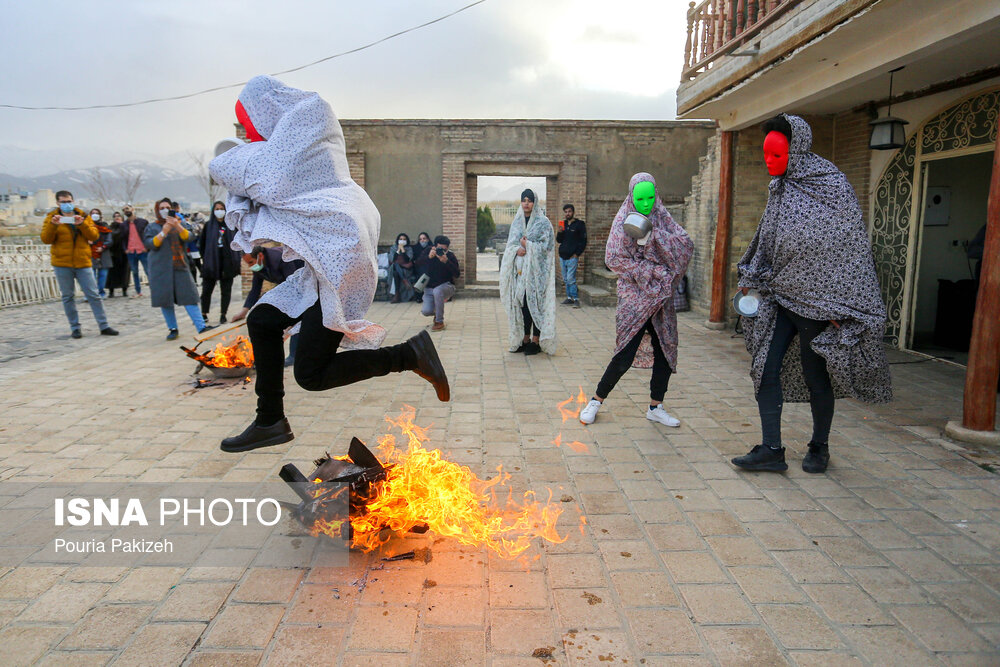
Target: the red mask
pixel 244 119
pixel 776 153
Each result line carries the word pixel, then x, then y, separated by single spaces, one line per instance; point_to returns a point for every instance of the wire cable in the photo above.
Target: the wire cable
pixel 243 83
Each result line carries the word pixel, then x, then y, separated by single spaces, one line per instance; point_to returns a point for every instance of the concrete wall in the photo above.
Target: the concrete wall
pixel 416 171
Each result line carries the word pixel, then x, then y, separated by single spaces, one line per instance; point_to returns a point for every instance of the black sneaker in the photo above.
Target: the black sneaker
pixel 520 348
pixel 568 302
pixel 532 348
pixel 223 320
pixel 173 334
pixel 817 458
pixel 762 457
pixel 576 303
pixel 108 331
pixel 429 365
pixel 259 436
pixel 76 333
pixel 206 328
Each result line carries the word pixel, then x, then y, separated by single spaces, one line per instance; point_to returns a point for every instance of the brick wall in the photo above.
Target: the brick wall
pixel 851 153
pixel 701 210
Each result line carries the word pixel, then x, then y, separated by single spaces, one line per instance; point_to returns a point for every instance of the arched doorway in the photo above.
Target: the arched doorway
pixel 966 127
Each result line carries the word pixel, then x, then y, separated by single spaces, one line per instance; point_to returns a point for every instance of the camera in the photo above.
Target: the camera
pixel 440 252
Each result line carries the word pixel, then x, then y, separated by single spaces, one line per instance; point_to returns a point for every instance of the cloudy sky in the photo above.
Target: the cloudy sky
pixel 502 59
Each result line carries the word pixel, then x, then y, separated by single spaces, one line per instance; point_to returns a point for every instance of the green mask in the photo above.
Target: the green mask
pixel 644 197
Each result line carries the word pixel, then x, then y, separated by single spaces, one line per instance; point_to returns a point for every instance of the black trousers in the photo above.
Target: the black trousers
pixel 208 286
pixel 770 398
pixel 530 329
pixel 621 362
pixel 318 365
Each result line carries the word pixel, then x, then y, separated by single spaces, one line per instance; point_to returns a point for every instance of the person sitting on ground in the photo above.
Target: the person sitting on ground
pixel 291 184
pixel 442 269
pixel 170 280
pixel 648 269
pixel 70 231
pixel 401 266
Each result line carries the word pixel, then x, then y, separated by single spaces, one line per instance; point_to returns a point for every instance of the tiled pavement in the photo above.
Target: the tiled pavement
pixel 891 557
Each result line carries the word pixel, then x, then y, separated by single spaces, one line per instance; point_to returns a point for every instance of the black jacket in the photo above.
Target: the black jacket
pixel 275 270
pixel 218 263
pixel 572 240
pixel 438 271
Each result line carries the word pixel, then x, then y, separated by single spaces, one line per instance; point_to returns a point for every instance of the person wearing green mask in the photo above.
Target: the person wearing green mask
pixel 648 270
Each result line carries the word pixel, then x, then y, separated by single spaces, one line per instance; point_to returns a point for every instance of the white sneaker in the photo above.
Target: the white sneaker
pixel 658 415
pixel 589 413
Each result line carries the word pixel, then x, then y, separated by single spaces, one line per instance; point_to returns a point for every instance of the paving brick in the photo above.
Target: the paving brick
pixel 301 645
pixel 455 606
pixel 520 632
pixel 244 626
pixel 23 645
pixel 108 626
pixel 766 584
pixel 644 589
pixel 711 604
pixel 525 590
pixel 148 584
pixel 587 608
pixel 162 644
pixel 799 627
pixel 453 647
pixel 938 629
pixel 663 631
pixel 194 601
pixel 693 567
pixel 846 604
pixel 209 658
pixel 742 646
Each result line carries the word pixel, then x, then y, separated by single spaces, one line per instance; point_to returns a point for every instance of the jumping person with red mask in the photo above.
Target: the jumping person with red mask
pixel 292 185
pixel 818 331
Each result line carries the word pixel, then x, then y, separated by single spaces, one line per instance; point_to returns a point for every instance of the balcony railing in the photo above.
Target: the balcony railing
pixel 717 27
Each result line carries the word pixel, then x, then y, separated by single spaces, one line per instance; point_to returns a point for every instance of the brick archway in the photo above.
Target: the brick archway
pixel 565 180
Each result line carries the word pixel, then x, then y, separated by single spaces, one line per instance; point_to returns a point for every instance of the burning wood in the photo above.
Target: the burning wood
pixel 416 489
pixel 238 354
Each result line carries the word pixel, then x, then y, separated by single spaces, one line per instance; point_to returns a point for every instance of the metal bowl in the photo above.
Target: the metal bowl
pixel 747 304
pixel 637 225
pixel 236 372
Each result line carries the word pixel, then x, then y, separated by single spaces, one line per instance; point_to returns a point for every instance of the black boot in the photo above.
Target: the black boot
pixel 817 458
pixel 259 436
pixel 429 364
pixel 762 457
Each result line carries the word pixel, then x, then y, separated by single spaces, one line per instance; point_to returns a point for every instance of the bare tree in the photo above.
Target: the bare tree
pixel 99 185
pixel 211 189
pixel 129 182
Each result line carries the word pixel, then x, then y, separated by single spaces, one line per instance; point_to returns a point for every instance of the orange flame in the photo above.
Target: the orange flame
pixel 576 445
pixel 422 488
pixel 572 413
pixel 237 354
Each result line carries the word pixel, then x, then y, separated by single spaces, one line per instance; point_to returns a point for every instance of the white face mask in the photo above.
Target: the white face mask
pixel 401 242
pixel 164 212
pixel 219 214
pixel 96 217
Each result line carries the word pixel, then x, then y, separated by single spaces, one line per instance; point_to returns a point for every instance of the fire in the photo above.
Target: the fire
pixel 572 412
pixel 423 489
pixel 576 445
pixel 238 354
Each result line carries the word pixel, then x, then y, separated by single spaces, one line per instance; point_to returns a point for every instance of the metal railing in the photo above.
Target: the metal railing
pixel 717 27
pixel 26 274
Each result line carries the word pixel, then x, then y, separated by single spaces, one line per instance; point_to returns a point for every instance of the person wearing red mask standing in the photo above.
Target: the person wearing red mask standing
pixel 818 330
pixel 291 185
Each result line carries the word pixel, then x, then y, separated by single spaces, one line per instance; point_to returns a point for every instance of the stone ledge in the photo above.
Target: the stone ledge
pixel 956 431
pixel 596 296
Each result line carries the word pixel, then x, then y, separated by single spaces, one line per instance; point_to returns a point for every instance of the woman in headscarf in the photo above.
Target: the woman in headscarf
pixel 100 253
pixel 170 280
pixel 291 184
pixel 648 269
pixel 401 265
pixel 818 331
pixel 220 263
pixel 420 253
pixel 528 280
pixel 118 276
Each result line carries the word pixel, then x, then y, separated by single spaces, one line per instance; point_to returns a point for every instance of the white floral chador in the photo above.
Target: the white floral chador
pixel 295 188
pixel 531 279
pixel 811 254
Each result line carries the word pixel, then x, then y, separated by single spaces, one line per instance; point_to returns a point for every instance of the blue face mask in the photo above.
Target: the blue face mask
pixel 66 207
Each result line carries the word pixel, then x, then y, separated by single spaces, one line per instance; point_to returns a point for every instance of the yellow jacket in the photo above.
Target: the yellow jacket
pixel 70 243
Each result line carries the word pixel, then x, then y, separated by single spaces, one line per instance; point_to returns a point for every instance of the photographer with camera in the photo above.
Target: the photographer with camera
pixel 441 267
pixel 170 280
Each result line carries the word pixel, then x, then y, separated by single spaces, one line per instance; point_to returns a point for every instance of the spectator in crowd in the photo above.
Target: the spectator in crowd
pixel 220 263
pixel 572 240
pixel 191 245
pixel 69 231
pixel 118 276
pixel 401 266
pixel 99 250
pixel 441 267
pixel 528 280
pixel 424 246
pixel 267 264
pixel 134 235
pixel 170 280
